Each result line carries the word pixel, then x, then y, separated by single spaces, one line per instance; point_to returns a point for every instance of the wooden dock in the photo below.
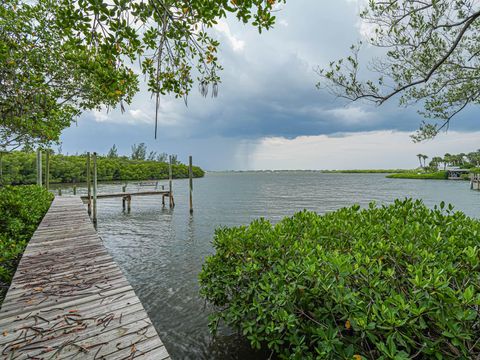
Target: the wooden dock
pixel 126 199
pixel 132 193
pixel 69 299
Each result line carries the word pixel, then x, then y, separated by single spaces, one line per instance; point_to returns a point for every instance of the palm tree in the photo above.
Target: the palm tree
pixel 436 160
pixel 420 156
pixel 424 157
pixel 447 158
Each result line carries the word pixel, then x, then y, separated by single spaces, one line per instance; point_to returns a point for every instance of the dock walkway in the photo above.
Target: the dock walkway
pixel 70 300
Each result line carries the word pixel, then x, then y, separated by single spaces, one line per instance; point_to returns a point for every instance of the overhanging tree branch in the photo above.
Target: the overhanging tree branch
pixel 431 56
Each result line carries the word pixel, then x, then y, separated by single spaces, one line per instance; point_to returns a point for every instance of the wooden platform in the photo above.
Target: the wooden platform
pixel 132 193
pixel 69 299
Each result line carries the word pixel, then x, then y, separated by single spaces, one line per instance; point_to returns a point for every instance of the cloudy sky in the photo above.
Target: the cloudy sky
pixel 268 114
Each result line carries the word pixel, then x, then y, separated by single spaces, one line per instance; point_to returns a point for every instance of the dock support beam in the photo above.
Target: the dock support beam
pixel 39 167
pixel 190 176
pixel 170 191
pixel 127 203
pixel 89 190
pixel 95 189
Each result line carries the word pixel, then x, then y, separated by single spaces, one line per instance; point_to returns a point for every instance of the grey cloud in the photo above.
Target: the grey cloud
pixel 268 89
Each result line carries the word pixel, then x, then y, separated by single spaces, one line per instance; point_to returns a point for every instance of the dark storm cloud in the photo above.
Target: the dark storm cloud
pixel 268 89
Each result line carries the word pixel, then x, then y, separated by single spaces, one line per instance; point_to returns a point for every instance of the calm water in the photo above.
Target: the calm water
pixel 161 251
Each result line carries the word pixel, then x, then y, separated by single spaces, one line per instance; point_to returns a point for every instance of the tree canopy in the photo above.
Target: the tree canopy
pixel 59 58
pixel 432 57
pixel 48 76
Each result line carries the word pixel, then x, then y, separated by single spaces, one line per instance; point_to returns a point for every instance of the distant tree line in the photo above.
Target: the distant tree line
pixel 139 152
pixel 19 167
pixel 467 161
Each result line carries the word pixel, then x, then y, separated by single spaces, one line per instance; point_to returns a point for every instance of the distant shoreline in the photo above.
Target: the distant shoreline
pixel 351 171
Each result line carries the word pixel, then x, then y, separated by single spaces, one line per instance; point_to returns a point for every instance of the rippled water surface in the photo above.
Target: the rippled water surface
pixel 161 251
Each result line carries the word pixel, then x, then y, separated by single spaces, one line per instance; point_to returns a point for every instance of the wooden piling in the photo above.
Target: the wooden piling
pixel 74 189
pixel 39 167
pixel 129 203
pixel 59 191
pixel 89 191
pixel 124 199
pixel 170 182
pixel 190 176
pixel 94 218
pixel 47 170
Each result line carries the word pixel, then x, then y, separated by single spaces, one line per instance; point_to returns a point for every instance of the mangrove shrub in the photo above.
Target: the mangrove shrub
pixel 21 210
pixel 391 282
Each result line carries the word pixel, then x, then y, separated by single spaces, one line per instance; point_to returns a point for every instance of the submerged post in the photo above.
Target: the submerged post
pixel 190 176
pixel 170 194
pixel 95 189
pixel 89 192
pixel 47 170
pixel 39 167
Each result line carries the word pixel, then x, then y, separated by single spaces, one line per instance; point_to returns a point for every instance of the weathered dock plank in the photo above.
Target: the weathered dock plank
pixel 69 299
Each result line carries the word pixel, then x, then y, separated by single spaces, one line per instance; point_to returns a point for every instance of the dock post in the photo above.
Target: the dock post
pixel 39 167
pixel 89 190
pixel 74 189
pixel 190 176
pixel 47 170
pixel 170 194
pixel 163 200
pixel 59 191
pixel 95 189
pixel 123 202
pixel 129 203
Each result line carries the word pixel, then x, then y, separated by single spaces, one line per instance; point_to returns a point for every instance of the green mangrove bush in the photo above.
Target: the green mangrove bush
pixel 21 210
pixel 391 282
